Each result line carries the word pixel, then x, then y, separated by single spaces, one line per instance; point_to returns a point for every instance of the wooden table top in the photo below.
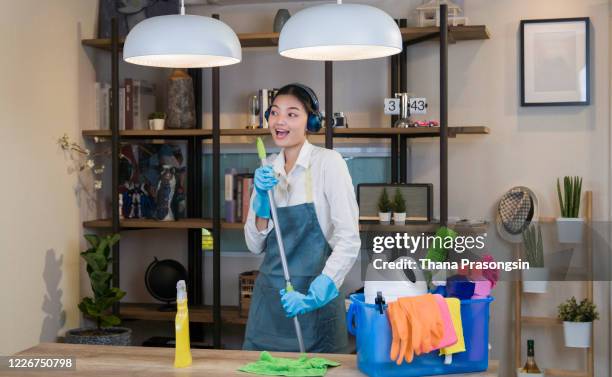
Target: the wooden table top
pixel 94 361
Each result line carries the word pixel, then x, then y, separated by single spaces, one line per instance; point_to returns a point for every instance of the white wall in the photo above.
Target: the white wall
pixel 44 92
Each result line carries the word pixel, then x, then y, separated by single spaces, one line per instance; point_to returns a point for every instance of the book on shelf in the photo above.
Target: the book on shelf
pixel 136 101
pixel 245 187
pixel 265 97
pixel 102 105
pixel 237 195
pixel 143 103
pixel 129 97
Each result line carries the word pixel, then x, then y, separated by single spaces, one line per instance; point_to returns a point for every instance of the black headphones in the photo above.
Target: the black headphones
pixel 313 124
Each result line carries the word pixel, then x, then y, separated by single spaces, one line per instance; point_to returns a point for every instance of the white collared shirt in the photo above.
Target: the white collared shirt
pixel 334 202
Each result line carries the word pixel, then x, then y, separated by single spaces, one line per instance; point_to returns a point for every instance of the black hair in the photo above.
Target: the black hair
pixel 300 94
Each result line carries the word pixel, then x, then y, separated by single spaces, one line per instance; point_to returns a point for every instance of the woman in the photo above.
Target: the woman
pixel 319 221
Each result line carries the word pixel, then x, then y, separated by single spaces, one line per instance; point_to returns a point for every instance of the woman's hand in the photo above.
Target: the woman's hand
pixel 264 181
pixel 321 291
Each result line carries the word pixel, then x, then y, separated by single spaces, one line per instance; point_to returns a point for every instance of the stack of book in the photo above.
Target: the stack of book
pixel 238 188
pixel 136 101
pixel 265 97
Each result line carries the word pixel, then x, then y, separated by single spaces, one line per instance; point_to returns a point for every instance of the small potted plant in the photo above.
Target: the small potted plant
pixel 570 226
pixel 535 279
pixel 578 322
pixel 384 207
pixel 98 258
pixel 399 208
pixel 157 120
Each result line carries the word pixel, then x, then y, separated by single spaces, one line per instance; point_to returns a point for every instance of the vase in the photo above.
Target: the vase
pixel 535 280
pixel 577 334
pixel 570 229
pixel 399 218
pixel 384 217
pixel 279 20
pixel 113 336
pixel 156 124
pixel 181 102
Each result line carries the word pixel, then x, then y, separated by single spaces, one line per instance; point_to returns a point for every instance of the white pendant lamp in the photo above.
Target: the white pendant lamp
pixel 340 32
pixel 182 41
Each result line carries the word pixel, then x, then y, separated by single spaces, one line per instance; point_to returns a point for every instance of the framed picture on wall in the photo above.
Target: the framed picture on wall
pixel 555 63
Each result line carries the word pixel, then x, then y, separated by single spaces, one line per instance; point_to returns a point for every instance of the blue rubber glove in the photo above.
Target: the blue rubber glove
pixel 321 291
pixel 264 181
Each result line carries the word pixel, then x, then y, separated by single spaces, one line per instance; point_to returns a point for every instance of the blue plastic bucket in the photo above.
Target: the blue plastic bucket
pixel 373 333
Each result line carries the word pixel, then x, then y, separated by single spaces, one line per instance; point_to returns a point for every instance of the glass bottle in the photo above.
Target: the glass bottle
pixel 530 365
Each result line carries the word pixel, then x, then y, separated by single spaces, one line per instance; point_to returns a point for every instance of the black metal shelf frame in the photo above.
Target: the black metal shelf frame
pixel 399 163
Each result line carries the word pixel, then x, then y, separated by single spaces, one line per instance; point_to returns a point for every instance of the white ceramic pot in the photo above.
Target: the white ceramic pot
pixel 577 334
pixel 156 124
pixel 384 217
pixel 570 229
pixel 535 280
pixel 399 218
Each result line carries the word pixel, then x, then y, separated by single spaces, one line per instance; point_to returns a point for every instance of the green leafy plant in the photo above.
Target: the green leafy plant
pixel 384 204
pixel 570 201
pixel 534 249
pixel 98 258
pixel 157 115
pixel 572 311
pixel 399 204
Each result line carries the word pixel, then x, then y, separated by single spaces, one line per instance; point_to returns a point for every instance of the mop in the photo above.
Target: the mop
pixel 261 151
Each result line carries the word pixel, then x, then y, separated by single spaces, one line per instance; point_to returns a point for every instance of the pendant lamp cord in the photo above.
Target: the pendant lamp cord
pixel 182 7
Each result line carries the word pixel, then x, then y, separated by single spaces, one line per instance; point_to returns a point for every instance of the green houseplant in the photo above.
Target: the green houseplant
pixel 157 120
pixel 97 308
pixel 577 322
pixel 535 279
pixel 384 207
pixel 399 208
pixel 570 225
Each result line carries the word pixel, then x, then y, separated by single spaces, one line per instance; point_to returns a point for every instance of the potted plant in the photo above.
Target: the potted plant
pixel 384 207
pixel 570 225
pixel 535 279
pixel 98 258
pixel 157 120
pixel 578 322
pixel 399 208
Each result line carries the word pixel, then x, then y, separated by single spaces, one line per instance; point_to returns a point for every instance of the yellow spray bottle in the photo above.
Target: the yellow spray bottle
pixel 182 354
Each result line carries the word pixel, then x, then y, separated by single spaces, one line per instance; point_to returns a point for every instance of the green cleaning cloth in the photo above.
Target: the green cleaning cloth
pixel 278 366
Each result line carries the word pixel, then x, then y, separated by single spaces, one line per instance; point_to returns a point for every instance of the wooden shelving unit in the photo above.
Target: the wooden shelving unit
pixel 207 223
pixel 194 137
pixel 520 319
pixel 197 313
pixel 150 133
pixel 150 224
pixel 410 35
pixel 374 132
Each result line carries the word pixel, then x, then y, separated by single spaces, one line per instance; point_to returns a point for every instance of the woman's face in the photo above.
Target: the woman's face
pixel 287 121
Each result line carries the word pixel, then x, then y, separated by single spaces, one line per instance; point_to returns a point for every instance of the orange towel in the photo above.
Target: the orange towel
pixel 417 326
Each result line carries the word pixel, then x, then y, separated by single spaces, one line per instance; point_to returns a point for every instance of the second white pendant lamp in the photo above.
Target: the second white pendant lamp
pixel 182 41
pixel 338 32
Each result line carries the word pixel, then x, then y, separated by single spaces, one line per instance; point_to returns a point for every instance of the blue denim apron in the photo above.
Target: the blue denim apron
pixel 307 250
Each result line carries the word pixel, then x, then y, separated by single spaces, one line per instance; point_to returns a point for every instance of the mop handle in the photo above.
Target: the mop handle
pixel 288 287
